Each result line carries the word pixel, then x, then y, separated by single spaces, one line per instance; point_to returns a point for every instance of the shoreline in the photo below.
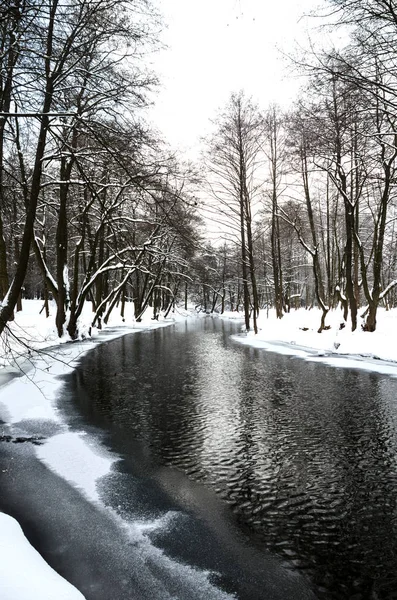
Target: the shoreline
pixel 21 412
pixel 29 392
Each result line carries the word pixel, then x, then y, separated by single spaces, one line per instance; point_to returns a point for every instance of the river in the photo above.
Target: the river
pixel 286 469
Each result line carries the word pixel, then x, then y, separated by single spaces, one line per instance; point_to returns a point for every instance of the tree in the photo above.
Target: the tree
pixel 69 69
pixel 299 135
pixel 275 151
pixel 11 29
pixel 233 161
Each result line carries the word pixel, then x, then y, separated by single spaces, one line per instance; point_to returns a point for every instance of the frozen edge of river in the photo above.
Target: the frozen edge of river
pixel 296 335
pixel 366 362
pixel 32 397
pixel 347 361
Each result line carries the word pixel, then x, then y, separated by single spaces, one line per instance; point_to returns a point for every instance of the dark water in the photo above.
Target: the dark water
pixel 303 455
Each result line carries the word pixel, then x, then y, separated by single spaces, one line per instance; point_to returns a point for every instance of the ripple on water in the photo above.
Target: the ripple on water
pixel 304 454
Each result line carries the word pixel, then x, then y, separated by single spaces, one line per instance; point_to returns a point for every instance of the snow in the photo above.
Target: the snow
pixel 297 334
pixel 32 330
pixel 24 573
pixel 78 458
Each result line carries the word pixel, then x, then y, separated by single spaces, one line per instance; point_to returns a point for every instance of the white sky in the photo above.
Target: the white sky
pixel 216 47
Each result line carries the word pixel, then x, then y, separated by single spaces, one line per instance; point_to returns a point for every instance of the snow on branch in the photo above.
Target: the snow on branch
pixel 388 288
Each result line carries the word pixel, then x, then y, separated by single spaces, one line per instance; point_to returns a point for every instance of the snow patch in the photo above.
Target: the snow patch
pixel 79 459
pixel 24 574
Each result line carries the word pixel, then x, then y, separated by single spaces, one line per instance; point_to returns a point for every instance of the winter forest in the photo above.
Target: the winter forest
pixel 94 206
pixel 198 300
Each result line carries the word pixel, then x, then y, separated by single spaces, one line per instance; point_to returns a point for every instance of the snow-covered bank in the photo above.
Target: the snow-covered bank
pixel 30 400
pixel 31 330
pixel 297 330
pixel 24 573
pixel 296 334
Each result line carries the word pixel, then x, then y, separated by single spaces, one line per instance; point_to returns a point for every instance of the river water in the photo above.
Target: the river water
pixel 287 468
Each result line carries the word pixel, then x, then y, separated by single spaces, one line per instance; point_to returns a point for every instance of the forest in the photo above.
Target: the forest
pixel 94 206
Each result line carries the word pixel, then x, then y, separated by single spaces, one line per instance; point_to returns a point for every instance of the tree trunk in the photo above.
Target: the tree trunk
pixel 7 309
pixel 62 248
pixel 4 282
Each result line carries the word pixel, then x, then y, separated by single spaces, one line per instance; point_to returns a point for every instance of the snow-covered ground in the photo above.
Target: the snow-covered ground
pixel 24 573
pixel 296 330
pixel 296 333
pixel 32 330
pixel 32 396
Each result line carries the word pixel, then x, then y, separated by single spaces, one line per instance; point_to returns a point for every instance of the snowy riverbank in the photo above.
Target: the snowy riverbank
pixel 23 572
pixel 296 334
pixel 31 399
pixel 296 330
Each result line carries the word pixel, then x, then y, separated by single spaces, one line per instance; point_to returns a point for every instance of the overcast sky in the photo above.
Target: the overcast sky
pixel 216 47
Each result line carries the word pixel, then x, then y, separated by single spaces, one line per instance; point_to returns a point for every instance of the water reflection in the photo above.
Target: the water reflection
pixel 304 454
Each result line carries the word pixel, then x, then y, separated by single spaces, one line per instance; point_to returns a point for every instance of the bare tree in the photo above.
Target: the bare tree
pixel 274 144
pixel 70 73
pixel 234 156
